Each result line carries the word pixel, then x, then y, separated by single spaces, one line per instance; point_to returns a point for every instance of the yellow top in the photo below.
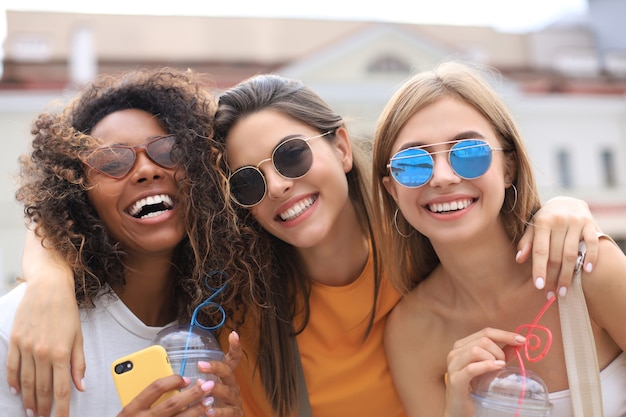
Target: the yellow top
pixel 345 376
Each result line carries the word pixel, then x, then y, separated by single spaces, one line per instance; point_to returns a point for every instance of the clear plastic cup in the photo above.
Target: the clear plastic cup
pixel 510 393
pixel 187 345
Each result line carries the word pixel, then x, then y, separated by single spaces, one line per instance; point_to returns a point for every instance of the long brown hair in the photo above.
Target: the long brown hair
pixel 409 259
pixel 284 284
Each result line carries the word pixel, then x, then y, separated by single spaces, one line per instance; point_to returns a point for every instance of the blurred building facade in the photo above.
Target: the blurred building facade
pixel 566 84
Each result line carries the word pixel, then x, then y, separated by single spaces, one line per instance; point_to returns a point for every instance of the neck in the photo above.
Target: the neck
pixel 340 259
pixel 148 291
pixel 483 267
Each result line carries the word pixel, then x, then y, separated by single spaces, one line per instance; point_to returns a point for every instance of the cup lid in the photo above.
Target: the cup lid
pixel 512 389
pixel 185 337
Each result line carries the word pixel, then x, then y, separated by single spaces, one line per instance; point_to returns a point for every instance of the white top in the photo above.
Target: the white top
pixel 613 382
pixel 110 331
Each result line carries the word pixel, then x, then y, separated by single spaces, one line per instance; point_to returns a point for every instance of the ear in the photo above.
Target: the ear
pixel 390 186
pixel 510 168
pixel 343 148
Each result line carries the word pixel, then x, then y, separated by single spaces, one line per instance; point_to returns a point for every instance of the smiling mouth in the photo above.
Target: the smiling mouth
pixel 297 209
pixel 151 206
pixel 450 206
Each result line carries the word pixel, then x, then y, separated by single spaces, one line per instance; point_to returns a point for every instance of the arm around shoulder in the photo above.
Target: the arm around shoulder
pixel 44 264
pixel 42 348
pixel 605 291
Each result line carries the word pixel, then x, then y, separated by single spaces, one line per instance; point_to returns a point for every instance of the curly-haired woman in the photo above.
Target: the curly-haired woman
pixel 118 184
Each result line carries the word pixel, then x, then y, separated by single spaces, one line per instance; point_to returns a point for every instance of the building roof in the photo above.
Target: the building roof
pixel 40 47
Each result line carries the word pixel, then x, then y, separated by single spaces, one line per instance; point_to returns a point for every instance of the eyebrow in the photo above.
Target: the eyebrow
pixel 148 139
pixel 292 136
pixel 468 134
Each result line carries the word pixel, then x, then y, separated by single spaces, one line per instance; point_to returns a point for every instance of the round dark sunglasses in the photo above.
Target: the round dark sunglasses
pixel 413 167
pixel 117 161
pixel 291 158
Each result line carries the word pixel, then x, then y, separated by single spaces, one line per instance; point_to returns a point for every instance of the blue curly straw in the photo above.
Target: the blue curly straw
pixel 194 320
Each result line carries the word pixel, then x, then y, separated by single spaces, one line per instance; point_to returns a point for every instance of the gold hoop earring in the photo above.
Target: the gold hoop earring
pixel 514 200
pixel 395 223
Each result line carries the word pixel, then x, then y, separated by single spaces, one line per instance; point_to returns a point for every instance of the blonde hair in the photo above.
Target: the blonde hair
pixel 408 260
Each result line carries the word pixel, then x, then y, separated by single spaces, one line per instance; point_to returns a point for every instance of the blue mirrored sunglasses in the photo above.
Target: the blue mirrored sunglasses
pixel 413 167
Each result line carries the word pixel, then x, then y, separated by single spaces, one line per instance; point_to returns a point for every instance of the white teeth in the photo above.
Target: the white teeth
pixel 451 206
pixel 296 210
pixel 139 205
pixel 153 214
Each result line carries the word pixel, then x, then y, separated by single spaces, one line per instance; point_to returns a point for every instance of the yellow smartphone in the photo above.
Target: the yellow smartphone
pixel 134 372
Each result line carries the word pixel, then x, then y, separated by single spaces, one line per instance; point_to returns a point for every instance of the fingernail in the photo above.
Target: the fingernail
pixel 499 362
pixel 208 401
pixel 30 413
pixel 550 295
pixel 204 364
pixel 82 384
pixel 210 411
pixel 13 391
pixel 207 386
pixel 540 283
pixel 588 267
pixel 520 339
pixel 236 334
pixel 187 380
pixel 562 291
pixel 518 254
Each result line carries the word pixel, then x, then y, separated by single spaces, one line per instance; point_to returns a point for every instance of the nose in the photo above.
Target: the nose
pixel 145 169
pixel 443 174
pixel 277 185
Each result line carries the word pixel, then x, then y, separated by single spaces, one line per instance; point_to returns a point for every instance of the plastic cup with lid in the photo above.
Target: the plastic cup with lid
pixel 511 393
pixel 186 345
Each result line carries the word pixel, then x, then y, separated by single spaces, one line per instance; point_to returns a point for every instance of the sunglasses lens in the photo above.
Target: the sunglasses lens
pixel 115 162
pixel 160 151
pixel 412 167
pixel 247 186
pixel 470 158
pixel 293 158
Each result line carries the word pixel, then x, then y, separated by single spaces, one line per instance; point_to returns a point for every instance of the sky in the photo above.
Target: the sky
pixel 504 15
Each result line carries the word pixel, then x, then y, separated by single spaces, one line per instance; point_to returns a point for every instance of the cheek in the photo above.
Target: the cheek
pixel 103 196
pixel 390 186
pixel 259 213
pixel 178 174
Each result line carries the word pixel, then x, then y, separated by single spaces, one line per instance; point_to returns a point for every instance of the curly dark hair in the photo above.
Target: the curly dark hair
pixel 53 186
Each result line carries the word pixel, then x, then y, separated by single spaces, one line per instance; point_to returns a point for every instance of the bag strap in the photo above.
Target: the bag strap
pixel 579 347
pixel 304 407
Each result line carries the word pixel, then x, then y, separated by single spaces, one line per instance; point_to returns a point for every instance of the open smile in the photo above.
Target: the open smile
pixel 151 206
pixel 297 209
pixel 450 205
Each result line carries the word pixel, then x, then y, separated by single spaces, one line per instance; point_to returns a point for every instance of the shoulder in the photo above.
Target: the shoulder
pixel 8 305
pixel 608 272
pixel 412 316
pixel 605 287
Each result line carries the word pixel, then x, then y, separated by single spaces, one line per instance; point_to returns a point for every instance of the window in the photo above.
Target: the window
pixel 564 167
pixel 389 64
pixel 608 168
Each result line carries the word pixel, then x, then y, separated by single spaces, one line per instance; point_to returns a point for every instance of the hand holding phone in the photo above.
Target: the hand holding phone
pixel 134 372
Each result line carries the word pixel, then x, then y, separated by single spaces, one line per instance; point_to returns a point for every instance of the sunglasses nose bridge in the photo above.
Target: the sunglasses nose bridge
pixel 144 161
pixel 443 172
pixel 276 184
pixel 262 162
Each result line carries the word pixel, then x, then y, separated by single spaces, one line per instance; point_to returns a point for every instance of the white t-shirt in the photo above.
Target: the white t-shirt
pixel 110 331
